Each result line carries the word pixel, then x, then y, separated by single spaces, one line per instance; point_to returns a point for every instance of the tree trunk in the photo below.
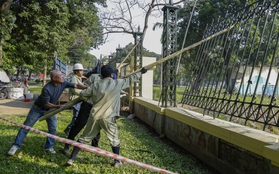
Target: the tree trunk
pixel 45 73
pixel 5 6
pixel 1 52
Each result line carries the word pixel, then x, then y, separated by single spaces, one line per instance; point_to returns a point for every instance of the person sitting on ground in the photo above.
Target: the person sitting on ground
pixel 47 99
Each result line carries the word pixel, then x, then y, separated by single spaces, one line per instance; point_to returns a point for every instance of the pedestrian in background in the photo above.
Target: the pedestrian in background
pixel 25 87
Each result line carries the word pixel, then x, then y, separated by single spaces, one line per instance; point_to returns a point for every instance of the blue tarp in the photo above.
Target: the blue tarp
pixel 59 65
pixel 260 88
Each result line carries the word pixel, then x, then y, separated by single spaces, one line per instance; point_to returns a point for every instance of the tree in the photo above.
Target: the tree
pixel 121 17
pixel 254 39
pixel 85 27
pixel 5 25
pixel 206 13
pixel 42 29
pixel 69 27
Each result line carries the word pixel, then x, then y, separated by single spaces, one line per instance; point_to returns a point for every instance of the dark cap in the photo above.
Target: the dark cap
pixel 107 71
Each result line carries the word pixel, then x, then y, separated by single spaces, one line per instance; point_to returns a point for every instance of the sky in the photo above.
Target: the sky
pixel 151 40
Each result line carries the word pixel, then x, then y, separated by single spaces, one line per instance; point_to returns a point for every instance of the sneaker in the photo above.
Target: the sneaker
pixel 117 163
pixel 70 162
pixel 13 150
pixel 51 150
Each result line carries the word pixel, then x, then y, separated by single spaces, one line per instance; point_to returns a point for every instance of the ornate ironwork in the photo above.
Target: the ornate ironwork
pixel 236 74
pixel 138 61
pixel 110 59
pixel 168 95
pixel 118 55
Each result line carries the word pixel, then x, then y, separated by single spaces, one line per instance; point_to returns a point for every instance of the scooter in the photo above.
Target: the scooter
pixel 3 91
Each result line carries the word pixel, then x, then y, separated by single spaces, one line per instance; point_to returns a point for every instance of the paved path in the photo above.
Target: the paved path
pixel 14 107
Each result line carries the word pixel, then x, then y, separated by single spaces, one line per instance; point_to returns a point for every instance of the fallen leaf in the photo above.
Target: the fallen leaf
pixel 19 155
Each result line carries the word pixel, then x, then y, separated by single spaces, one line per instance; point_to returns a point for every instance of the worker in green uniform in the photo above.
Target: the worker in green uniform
pixel 105 95
pixel 77 78
pixel 82 117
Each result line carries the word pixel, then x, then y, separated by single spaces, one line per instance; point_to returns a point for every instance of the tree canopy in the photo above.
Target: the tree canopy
pixel 38 28
pixel 34 29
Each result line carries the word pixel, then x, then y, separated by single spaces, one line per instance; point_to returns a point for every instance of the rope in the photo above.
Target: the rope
pixel 127 55
pixel 185 35
pixel 90 148
pixel 149 66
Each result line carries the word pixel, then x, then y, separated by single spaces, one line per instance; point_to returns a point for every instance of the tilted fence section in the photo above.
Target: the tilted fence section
pixel 235 75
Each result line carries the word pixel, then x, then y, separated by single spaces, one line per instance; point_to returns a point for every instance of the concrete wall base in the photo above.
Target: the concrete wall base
pixel 227 147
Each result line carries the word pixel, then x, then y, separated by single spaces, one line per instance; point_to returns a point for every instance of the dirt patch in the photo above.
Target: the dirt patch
pixel 15 107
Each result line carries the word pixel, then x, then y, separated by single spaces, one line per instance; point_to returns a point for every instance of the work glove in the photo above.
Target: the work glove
pixel 143 70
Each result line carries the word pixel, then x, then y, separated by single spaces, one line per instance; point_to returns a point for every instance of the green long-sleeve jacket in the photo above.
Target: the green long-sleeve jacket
pixel 93 78
pixel 74 92
pixel 105 95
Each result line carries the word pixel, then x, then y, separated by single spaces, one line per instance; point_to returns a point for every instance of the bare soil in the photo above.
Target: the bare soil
pixel 15 107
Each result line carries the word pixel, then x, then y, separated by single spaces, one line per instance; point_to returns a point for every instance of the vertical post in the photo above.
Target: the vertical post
pixel 110 59
pixel 118 55
pixel 168 95
pixel 59 64
pixel 138 61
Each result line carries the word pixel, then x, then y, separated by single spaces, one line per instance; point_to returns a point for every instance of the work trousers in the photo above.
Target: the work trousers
pixel 76 109
pixel 81 121
pixel 34 114
pixel 94 126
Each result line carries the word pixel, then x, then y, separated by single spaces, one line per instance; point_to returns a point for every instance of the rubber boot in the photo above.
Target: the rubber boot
pixel 116 150
pixel 96 140
pixel 73 155
pixel 67 131
pixel 75 152
pixel 66 149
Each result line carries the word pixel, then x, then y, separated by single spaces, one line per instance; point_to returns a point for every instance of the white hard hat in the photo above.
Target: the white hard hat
pixel 78 66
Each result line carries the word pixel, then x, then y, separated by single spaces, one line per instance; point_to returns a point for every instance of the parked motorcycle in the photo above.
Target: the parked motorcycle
pixel 3 91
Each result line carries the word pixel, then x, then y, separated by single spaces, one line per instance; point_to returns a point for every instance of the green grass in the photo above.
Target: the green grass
pixel 157 93
pixel 35 90
pixel 31 83
pixel 138 142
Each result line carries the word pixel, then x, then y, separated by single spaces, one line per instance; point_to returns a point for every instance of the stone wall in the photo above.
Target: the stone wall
pixel 227 147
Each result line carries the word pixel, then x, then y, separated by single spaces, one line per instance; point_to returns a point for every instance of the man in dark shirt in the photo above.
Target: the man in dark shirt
pixel 48 99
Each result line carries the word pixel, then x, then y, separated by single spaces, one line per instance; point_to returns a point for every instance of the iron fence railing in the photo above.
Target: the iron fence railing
pixel 236 74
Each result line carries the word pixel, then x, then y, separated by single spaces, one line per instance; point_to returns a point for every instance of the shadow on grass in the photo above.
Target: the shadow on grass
pixel 150 148
pixel 17 103
pixel 31 157
pixel 138 142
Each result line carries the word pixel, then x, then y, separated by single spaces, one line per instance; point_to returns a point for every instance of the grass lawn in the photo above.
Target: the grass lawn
pixel 157 93
pixel 138 142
